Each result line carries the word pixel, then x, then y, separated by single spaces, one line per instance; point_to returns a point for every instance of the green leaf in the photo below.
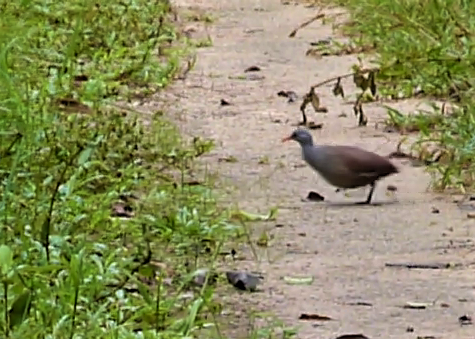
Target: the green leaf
pixel 6 258
pixel 246 216
pixel 84 156
pixel 19 309
pixel 144 292
pixel 298 280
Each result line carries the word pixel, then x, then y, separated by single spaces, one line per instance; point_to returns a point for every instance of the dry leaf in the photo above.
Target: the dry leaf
pixel 360 81
pixel 252 69
pixel 315 100
pixel 338 89
pixel 306 23
pixel 305 316
pixel 72 105
pixel 372 83
pixel 352 336
pixel 298 281
pixel 465 320
pixel 314 196
pixel 416 306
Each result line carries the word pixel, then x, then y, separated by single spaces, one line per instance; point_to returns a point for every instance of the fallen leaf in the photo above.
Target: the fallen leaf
pixel 313 125
pixel 416 306
pixel 317 317
pixel 230 159
pixel 245 216
pixel 314 196
pixel 298 280
pixel 391 188
pixel 321 42
pixel 255 77
pixel 352 336
pixel 359 303
pixel 465 320
pixel 291 95
pixel 252 69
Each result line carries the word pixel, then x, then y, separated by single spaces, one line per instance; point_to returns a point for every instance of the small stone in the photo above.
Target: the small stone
pixel 471 215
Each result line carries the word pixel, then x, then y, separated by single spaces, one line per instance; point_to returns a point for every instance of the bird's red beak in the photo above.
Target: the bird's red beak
pixel 287 138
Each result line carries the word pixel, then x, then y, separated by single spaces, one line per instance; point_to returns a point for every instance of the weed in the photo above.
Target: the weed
pixel 425 49
pixel 97 237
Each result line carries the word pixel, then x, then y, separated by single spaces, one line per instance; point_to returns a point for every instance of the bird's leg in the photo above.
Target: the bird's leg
pixel 370 195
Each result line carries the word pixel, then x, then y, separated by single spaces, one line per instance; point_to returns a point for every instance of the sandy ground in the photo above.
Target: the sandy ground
pixel 344 247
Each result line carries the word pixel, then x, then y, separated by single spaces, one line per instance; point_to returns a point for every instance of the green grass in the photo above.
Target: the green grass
pixel 426 47
pixel 71 162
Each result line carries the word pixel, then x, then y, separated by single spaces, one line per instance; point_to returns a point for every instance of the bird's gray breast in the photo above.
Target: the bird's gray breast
pixel 317 159
pixel 326 164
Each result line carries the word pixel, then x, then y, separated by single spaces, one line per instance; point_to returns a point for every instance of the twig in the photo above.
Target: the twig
pixel 6 152
pixel 362 71
pixel 434 266
pixel 308 22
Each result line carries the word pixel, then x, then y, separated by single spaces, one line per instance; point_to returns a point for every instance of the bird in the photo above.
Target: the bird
pixel 344 167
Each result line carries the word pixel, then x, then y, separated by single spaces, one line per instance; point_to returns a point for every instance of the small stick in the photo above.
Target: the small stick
pixel 434 266
pixel 308 22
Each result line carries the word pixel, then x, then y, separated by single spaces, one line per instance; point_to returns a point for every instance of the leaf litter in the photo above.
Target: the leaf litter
pixel 314 317
pixel 298 280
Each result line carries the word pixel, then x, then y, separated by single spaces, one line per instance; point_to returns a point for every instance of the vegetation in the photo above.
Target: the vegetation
pixel 98 240
pixel 426 49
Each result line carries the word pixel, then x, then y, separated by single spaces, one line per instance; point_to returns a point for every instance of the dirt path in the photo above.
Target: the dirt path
pixel 343 247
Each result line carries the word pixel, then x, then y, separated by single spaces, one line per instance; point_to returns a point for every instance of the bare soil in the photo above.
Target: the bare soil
pixel 343 246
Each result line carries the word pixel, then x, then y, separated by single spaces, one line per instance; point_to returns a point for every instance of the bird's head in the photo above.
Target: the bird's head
pixel 303 137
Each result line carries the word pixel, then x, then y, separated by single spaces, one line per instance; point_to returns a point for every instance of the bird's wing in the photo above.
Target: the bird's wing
pixel 364 163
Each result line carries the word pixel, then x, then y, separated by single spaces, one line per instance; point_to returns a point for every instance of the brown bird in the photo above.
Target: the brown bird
pixel 343 166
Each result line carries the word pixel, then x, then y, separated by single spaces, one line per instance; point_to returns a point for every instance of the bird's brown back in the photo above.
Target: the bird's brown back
pixel 349 166
pixel 364 162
